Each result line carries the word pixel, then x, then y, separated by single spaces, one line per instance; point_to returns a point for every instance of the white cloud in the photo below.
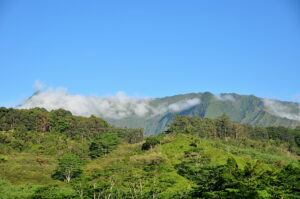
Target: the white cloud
pixel 224 97
pixel 174 107
pixel 183 104
pixel 159 110
pixel 112 107
pixel 281 110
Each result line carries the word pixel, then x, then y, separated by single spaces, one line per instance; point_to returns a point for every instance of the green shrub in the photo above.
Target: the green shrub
pixel 37 148
pixel 10 191
pixel 53 192
pixel 3 158
pixel 150 143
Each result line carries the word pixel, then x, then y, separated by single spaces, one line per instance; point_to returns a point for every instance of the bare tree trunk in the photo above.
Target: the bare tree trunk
pixel 69 176
pixel 94 191
pixel 141 188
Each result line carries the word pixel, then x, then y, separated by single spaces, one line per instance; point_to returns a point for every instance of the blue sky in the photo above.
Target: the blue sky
pixel 150 48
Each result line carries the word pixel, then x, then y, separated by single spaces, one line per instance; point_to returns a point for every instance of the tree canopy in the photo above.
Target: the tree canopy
pixel 69 167
pixel 103 144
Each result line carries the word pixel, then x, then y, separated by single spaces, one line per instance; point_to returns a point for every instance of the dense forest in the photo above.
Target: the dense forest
pixel 63 122
pixel 223 128
pixel 55 155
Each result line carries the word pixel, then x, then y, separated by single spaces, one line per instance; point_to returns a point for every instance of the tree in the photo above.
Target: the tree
pixel 69 166
pixel 223 126
pixel 103 145
pixel 150 143
pixel 59 120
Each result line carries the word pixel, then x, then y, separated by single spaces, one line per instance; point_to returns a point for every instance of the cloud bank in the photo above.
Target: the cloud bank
pixel 115 107
pixel 282 110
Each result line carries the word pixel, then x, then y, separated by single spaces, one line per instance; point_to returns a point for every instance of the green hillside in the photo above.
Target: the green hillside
pixel 77 157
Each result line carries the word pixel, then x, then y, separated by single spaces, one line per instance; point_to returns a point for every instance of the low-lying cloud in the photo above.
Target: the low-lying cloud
pixel 279 109
pixel 174 107
pixel 225 97
pixel 183 104
pixel 114 107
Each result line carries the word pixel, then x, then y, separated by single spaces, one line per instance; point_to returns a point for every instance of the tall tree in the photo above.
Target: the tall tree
pixel 69 166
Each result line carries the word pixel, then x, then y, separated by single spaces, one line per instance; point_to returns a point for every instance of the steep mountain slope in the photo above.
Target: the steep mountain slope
pixel 240 108
pixel 156 114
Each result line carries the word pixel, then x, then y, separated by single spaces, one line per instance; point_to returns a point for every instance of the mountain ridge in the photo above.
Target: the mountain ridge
pixel 155 114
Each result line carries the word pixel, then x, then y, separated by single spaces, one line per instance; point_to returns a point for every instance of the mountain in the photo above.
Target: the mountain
pixel 155 114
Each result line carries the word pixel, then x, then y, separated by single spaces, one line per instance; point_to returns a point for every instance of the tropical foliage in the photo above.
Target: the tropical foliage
pixel 64 156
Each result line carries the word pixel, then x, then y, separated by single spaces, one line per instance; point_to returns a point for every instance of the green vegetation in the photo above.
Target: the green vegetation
pixel 223 128
pixel 103 144
pixel 53 191
pixel 150 142
pixel 63 156
pixel 69 167
pixel 26 122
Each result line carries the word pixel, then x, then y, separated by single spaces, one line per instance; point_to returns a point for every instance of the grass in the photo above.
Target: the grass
pixel 131 160
pixel 23 168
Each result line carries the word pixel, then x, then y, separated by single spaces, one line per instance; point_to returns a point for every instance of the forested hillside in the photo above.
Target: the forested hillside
pixel 63 122
pixel 57 155
pixel 222 127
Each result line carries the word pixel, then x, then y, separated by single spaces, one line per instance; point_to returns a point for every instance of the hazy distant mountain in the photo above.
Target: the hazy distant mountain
pixel 155 114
